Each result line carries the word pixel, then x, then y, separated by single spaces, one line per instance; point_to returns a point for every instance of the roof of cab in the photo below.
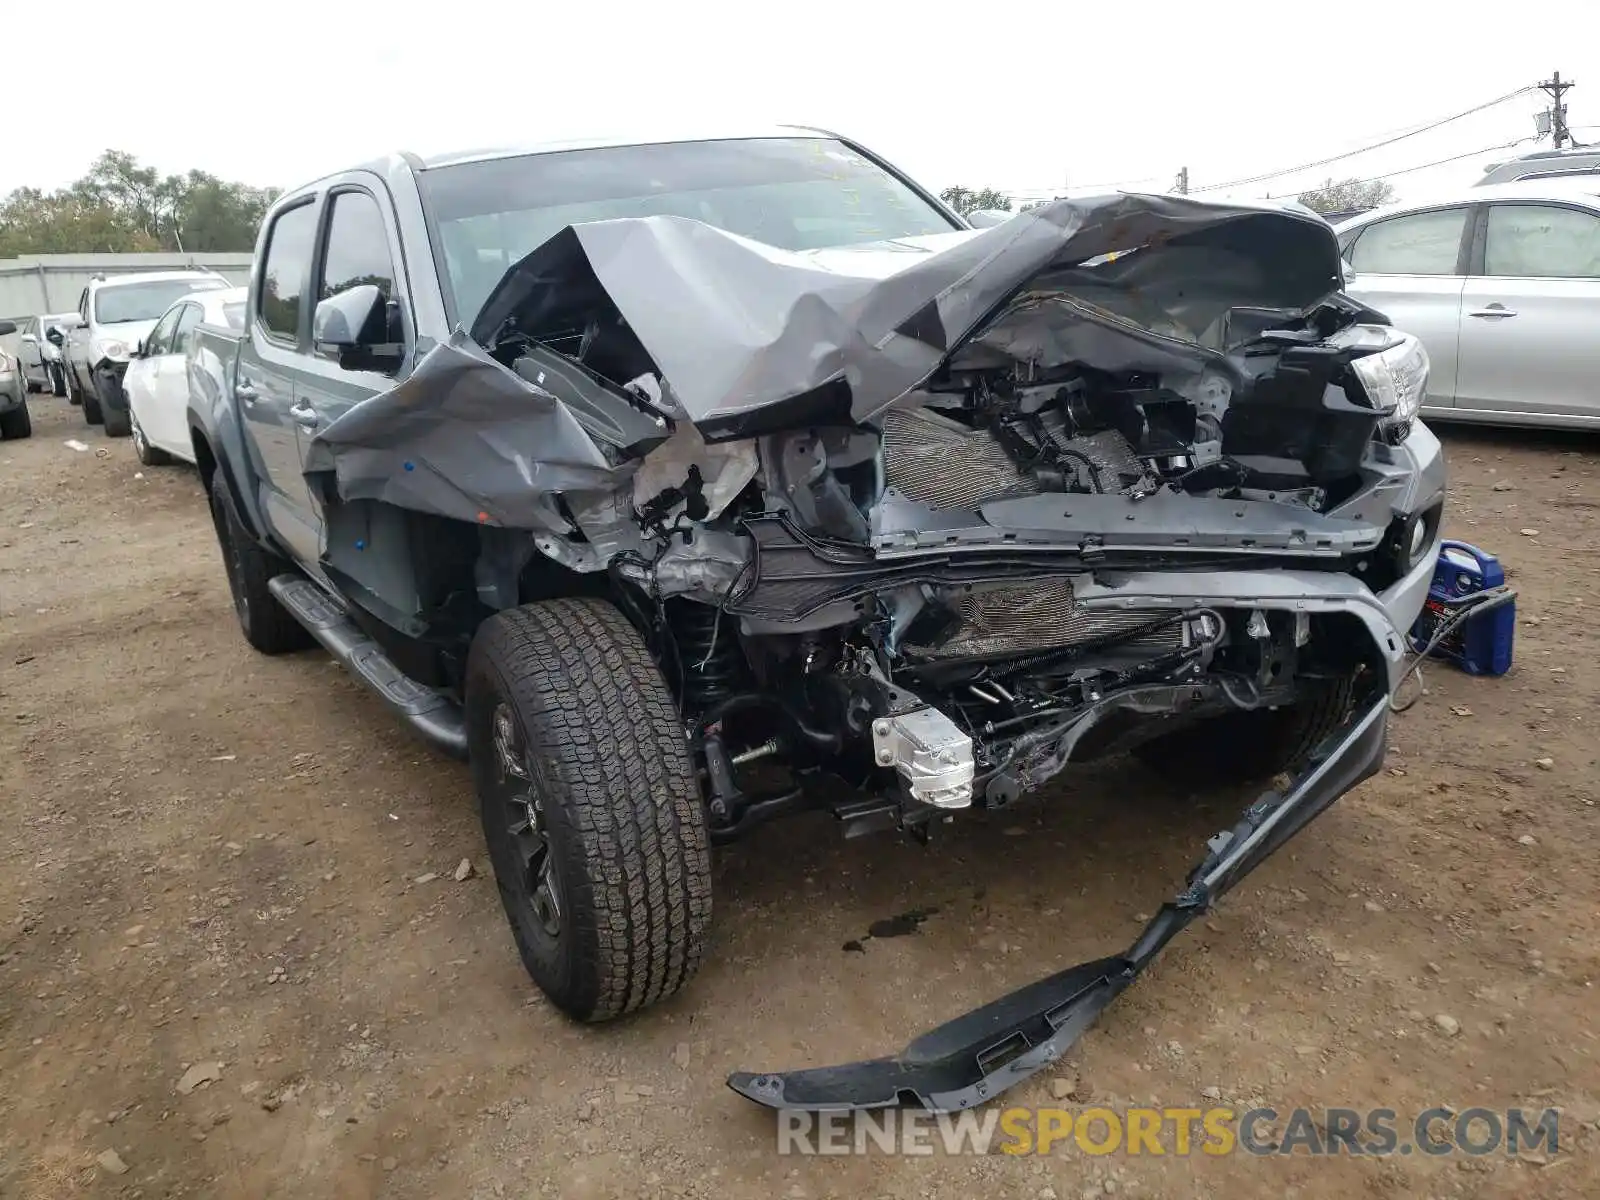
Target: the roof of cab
pixel 451 158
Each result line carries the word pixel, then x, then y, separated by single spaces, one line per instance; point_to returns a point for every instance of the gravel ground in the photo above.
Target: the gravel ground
pixel 234 952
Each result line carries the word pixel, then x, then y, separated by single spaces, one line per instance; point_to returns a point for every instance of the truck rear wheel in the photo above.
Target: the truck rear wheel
pixel 591 806
pixel 267 625
pixel 1250 747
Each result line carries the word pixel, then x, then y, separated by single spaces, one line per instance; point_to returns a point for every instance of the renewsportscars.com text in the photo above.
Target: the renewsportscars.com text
pixel 1174 1131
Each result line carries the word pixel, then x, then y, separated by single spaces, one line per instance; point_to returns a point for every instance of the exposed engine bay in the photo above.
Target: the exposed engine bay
pixel 887 549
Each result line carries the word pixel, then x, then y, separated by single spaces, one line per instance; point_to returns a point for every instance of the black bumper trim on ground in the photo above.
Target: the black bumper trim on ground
pixel 977 1056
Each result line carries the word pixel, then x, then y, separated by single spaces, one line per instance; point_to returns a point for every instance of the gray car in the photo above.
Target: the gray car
pixel 41 358
pixel 14 419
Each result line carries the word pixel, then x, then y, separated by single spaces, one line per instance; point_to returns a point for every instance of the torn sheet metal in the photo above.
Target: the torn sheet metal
pixel 463 436
pixel 754 339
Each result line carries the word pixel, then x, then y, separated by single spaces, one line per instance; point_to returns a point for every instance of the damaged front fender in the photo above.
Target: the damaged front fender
pixel 977 1056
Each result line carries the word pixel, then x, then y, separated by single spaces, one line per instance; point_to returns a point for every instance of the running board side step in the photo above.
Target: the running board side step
pixel 434 715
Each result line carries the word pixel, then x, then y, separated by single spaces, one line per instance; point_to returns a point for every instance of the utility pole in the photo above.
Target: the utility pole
pixel 1555 87
pixel 1182 184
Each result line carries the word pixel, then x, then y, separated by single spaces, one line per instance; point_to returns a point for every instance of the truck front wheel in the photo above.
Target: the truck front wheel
pixel 590 804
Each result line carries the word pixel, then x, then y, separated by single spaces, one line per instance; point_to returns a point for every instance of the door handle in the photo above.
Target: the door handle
pixel 244 391
pixel 304 415
pixel 1494 310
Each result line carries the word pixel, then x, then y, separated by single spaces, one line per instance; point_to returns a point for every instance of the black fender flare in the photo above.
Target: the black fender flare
pixel 228 457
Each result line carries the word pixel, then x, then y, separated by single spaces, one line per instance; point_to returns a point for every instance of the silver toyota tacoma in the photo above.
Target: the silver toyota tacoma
pixel 682 486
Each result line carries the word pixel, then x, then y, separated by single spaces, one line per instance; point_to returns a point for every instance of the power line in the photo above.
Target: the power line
pixel 1322 162
pixel 1439 162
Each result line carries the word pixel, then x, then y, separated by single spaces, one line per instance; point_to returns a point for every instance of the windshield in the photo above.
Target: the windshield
pixel 146 301
pixel 794 193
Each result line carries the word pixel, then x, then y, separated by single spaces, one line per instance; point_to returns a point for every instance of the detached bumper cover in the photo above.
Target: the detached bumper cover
pixel 977 1056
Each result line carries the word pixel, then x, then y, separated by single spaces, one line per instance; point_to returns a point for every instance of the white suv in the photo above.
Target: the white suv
pixel 115 315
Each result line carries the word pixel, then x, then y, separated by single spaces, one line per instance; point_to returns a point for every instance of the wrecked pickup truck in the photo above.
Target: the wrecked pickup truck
pixel 681 486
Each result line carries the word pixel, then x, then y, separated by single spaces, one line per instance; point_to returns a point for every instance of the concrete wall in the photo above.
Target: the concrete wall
pixel 51 283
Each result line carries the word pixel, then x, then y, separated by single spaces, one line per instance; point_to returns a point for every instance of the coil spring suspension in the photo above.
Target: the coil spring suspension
pixel 708 652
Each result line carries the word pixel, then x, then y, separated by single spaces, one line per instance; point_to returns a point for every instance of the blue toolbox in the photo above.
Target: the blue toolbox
pixel 1470 616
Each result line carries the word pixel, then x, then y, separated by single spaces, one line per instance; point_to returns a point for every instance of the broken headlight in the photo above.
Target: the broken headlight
pixel 1395 380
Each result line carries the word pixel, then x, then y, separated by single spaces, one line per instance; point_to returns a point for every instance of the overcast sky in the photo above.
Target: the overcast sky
pixel 1023 97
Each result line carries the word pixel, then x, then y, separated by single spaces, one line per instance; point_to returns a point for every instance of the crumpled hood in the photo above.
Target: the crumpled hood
pixel 752 338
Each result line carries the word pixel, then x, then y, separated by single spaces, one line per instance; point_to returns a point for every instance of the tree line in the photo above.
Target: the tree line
pixel 119 206
pixel 1346 195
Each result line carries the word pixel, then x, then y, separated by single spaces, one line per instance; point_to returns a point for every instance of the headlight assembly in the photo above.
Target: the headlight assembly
pixel 1394 378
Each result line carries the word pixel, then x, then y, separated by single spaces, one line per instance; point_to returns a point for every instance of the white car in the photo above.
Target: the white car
pixel 1502 285
pixel 114 315
pixel 157 380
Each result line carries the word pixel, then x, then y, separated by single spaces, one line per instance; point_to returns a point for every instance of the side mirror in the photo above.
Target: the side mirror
pixel 349 319
pixel 7 327
pixel 138 349
pixel 984 218
pixel 54 336
pixel 355 324
pixel 30 339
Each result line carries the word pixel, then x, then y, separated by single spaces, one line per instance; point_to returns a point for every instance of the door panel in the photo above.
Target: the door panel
pixel 172 386
pixel 1411 268
pixel 265 386
pixel 358 247
pixel 1531 320
pixel 1428 307
pixel 140 382
pixel 1529 345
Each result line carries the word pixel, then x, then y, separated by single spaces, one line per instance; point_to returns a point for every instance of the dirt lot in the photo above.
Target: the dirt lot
pixel 214 857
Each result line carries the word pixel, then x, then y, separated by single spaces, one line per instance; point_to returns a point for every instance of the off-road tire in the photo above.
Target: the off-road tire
pixel 1250 747
pixel 91 409
pixel 149 455
pixel 267 625
pixel 17 423
pixel 117 422
pixel 621 807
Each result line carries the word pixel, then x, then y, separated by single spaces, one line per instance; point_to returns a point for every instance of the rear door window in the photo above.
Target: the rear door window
pixel 1541 241
pixel 1423 243
pixel 286 270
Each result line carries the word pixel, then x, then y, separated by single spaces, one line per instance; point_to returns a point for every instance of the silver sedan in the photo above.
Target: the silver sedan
pixel 1502 285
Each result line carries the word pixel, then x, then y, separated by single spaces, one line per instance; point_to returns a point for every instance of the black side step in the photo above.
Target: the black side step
pixel 432 714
